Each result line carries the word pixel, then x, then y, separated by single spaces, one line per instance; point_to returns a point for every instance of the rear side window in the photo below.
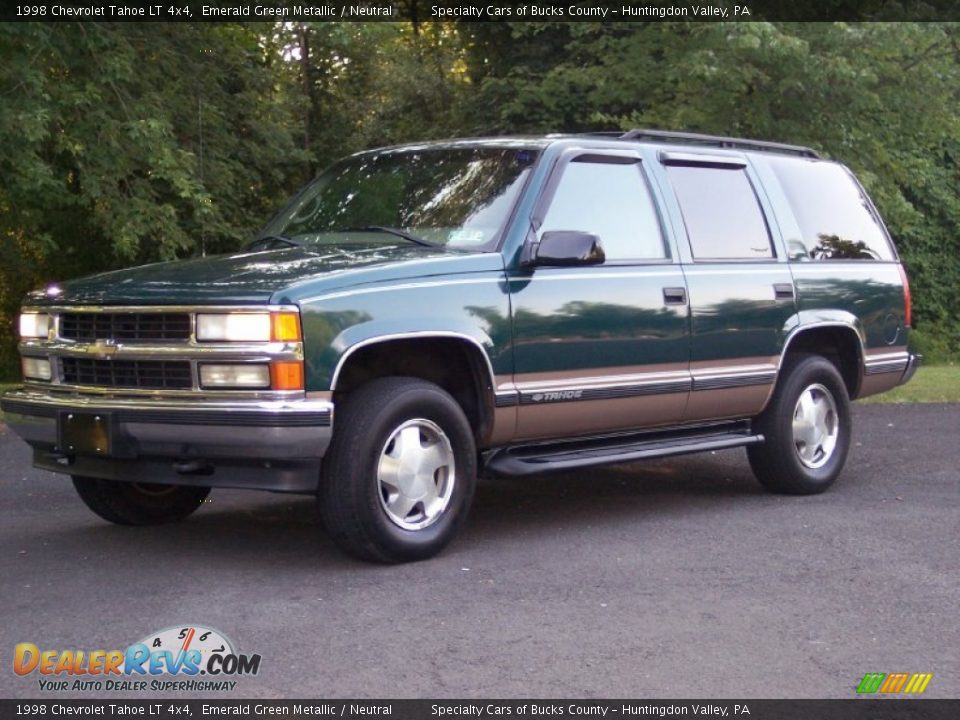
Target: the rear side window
pixel 834 216
pixel 720 209
pixel 610 200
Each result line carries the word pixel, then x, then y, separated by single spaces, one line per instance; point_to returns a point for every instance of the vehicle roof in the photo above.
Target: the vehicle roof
pixel 658 138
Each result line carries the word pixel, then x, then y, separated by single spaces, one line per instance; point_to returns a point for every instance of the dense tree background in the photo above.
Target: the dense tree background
pixel 131 143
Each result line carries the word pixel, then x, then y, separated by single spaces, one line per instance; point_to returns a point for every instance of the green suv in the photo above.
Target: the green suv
pixel 422 314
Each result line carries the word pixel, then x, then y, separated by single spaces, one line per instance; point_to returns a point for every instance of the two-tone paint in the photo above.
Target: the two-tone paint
pixel 565 352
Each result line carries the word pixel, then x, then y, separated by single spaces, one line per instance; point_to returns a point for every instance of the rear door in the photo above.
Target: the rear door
pixel 742 299
pixel 601 348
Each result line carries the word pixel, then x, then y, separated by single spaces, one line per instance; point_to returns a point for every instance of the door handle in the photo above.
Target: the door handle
pixel 783 291
pixel 675 296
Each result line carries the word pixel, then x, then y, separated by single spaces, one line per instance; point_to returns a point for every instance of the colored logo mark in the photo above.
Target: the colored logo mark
pixel 889 683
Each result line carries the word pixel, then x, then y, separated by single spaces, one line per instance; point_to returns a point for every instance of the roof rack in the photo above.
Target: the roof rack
pixel 713 141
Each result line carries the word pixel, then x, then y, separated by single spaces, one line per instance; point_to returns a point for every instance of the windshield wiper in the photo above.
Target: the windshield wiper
pixel 393 231
pixel 272 242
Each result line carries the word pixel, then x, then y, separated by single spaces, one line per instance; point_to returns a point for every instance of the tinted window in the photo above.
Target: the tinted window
pixel 834 216
pixel 721 212
pixel 611 201
pixel 448 196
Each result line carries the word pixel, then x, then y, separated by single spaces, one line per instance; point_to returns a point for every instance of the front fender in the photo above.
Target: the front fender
pixel 475 307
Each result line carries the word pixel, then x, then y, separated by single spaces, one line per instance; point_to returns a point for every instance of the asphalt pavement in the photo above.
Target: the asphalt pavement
pixel 674 578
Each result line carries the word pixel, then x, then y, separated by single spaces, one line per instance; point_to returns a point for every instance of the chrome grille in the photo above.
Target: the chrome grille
pixel 142 374
pixel 124 327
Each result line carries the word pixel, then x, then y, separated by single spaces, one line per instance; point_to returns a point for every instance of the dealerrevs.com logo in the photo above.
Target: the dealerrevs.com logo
pixel 181 658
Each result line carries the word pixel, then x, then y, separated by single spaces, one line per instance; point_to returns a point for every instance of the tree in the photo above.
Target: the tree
pixel 880 97
pixel 129 143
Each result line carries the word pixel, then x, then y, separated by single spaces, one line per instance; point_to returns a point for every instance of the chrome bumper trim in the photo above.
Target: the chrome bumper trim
pixel 262 430
pixel 914 362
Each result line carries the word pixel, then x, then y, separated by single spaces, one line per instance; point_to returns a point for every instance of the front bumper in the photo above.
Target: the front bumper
pixel 269 445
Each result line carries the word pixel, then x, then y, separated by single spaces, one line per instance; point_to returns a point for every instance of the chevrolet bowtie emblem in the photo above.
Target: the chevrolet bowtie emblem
pixel 104 348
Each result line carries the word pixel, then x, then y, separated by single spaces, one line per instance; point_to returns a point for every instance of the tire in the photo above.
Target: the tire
pixel 807 429
pixel 371 506
pixel 127 503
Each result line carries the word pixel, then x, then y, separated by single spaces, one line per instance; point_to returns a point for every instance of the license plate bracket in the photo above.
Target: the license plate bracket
pixel 85 433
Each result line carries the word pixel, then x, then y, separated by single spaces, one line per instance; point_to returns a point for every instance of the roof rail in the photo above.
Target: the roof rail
pixel 716 141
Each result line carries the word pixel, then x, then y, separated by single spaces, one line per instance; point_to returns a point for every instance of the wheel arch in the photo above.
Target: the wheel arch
pixel 839 341
pixel 455 361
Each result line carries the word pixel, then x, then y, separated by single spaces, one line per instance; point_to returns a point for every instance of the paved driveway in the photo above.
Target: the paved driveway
pixel 677 578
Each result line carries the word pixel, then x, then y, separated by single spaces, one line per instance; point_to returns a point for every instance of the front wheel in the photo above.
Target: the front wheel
pixel 807 429
pixel 400 472
pixel 129 503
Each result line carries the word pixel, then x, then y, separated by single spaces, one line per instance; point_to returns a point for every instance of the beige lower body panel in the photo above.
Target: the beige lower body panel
pixel 736 402
pixel 585 417
pixel 879 383
pixel 567 404
pixel 883 369
pixel 749 382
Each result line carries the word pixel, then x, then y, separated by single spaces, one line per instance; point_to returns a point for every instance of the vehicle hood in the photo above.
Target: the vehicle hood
pixel 261 277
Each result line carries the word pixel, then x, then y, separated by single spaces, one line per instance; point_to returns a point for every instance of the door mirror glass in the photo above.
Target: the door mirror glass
pixel 569 247
pixel 796 250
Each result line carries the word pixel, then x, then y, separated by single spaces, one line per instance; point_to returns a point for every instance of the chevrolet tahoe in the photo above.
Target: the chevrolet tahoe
pixel 419 315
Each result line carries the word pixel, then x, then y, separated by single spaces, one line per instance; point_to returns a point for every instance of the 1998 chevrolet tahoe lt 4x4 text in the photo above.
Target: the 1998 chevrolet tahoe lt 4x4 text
pixel 423 313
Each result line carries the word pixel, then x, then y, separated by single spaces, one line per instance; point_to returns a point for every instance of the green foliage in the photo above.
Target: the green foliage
pixel 937 348
pixel 131 143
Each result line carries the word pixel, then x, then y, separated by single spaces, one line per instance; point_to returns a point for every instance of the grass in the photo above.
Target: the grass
pixel 933 384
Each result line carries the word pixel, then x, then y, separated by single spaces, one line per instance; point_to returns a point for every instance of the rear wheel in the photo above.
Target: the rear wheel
pixel 400 472
pixel 127 503
pixel 807 429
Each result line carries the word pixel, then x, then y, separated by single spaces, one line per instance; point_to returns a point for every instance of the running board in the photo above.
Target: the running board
pixel 522 460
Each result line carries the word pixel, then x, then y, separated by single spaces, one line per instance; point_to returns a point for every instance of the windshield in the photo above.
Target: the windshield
pixel 450 197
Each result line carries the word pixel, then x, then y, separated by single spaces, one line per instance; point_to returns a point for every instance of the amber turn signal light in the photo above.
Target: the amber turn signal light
pixel 286 375
pixel 285 327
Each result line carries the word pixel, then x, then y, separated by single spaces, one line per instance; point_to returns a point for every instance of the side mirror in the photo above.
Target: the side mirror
pixel 569 247
pixel 796 250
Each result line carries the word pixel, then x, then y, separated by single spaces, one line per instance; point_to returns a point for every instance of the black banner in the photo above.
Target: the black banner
pixel 853 709
pixel 611 11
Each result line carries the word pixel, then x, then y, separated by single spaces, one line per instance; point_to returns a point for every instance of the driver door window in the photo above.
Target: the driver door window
pixel 612 201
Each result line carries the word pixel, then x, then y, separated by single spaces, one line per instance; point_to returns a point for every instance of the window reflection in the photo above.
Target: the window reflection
pixel 611 201
pixel 834 216
pixel 721 212
pixel 456 197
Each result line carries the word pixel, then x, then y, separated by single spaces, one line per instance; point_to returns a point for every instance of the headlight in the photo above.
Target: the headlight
pixel 234 327
pixel 35 368
pixel 34 325
pixel 248 327
pixel 247 376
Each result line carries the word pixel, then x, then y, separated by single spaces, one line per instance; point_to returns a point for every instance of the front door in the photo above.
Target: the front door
pixel 601 348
